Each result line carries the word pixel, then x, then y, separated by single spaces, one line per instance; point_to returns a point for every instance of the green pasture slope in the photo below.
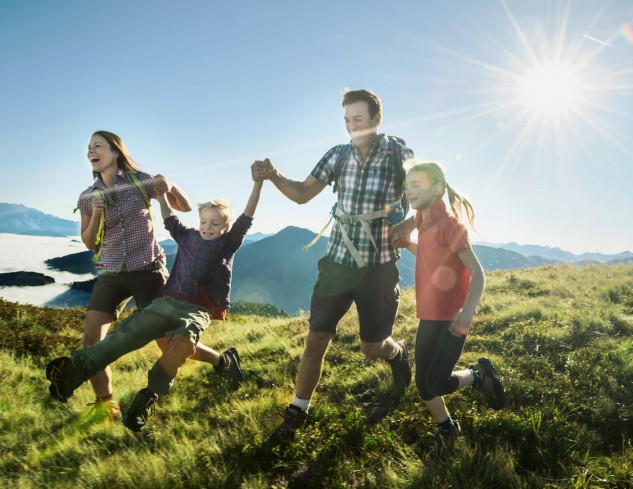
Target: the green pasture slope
pixel 561 337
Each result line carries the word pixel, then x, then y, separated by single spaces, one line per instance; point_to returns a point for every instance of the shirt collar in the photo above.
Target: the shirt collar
pixel 437 211
pixel 98 183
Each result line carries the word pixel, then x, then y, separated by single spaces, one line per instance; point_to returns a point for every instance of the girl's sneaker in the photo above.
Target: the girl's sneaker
pixel 489 384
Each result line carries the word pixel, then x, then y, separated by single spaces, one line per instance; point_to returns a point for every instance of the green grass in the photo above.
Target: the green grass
pixel 561 338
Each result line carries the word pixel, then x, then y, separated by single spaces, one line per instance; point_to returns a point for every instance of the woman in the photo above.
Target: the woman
pixel 116 222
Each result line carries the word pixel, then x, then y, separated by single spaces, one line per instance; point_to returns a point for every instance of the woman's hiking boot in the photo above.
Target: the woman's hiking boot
pixel 230 367
pixel 64 378
pixel 294 418
pixel 400 367
pixel 488 384
pixel 142 407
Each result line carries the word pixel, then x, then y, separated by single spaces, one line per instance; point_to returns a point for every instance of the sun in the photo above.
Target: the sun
pixel 551 90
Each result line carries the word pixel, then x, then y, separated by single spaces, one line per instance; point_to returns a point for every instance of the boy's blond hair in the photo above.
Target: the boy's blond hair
pixel 222 206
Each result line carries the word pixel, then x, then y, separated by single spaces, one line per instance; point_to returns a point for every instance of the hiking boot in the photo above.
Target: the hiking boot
pixel 488 384
pixel 104 410
pixel 64 378
pixel 450 433
pixel 231 368
pixel 142 408
pixel 294 418
pixel 400 367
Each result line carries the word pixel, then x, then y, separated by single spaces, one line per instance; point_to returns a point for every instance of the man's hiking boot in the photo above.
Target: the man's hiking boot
pixel 64 378
pixel 488 384
pixel 230 367
pixel 142 408
pixel 104 410
pixel 400 367
pixel 294 418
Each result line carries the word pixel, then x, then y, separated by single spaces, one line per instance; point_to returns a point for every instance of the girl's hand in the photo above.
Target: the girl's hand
pixel 461 324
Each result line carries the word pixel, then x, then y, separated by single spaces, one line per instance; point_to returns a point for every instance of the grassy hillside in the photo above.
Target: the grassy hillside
pixel 561 338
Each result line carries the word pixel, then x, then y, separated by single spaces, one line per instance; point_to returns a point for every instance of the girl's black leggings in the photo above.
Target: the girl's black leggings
pixel 436 354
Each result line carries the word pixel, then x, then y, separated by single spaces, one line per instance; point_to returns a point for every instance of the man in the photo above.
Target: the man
pixel 360 263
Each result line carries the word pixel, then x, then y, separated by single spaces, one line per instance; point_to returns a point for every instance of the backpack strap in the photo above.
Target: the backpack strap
pixel 101 229
pixel 338 165
pixel 133 176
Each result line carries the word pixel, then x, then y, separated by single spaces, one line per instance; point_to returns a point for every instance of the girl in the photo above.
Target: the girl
pixel 449 282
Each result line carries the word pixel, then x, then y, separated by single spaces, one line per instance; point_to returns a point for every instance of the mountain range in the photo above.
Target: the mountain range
pixel 274 268
pixel 18 219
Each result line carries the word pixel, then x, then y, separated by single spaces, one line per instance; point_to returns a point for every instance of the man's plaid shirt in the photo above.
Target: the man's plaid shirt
pixel 362 189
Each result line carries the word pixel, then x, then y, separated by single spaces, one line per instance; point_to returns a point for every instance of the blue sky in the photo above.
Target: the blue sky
pixel 527 104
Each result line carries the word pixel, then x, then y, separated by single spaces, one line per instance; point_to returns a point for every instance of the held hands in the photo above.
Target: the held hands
pixel 400 240
pixel 462 323
pixel 262 170
pixel 400 233
pixel 162 184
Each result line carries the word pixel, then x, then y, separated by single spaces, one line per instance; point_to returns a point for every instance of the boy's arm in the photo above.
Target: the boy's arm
pixel 165 208
pixel 253 200
pixel 464 319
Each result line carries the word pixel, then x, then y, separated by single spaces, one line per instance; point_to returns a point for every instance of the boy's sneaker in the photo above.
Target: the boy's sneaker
pixel 142 408
pixel 488 384
pixel 400 367
pixel 294 418
pixel 104 410
pixel 231 368
pixel 64 378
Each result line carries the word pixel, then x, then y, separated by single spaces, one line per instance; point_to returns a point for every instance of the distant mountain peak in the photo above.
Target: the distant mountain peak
pixel 19 219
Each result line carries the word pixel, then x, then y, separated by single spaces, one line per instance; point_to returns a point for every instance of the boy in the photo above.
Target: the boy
pixel 196 292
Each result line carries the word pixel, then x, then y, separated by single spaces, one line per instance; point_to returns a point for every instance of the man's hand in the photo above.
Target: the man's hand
pixel 262 170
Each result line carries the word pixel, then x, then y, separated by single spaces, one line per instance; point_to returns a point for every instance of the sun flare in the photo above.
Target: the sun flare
pixel 551 90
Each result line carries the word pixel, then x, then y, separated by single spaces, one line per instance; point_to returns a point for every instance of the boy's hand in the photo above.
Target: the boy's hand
pixel 162 184
pixel 262 170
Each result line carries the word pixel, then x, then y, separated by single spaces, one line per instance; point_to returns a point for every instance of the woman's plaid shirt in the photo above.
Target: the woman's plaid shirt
pixel 361 189
pixel 129 242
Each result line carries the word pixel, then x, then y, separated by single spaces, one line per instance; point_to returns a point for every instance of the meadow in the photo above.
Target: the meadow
pixel 561 338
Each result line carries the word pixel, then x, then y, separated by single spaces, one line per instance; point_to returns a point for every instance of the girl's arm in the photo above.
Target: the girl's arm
pixel 398 240
pixel 253 200
pixel 464 319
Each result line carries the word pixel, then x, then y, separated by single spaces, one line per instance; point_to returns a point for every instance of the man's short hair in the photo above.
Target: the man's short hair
pixel 373 100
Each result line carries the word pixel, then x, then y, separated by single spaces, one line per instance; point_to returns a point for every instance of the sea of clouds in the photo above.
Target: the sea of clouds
pixel 28 254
